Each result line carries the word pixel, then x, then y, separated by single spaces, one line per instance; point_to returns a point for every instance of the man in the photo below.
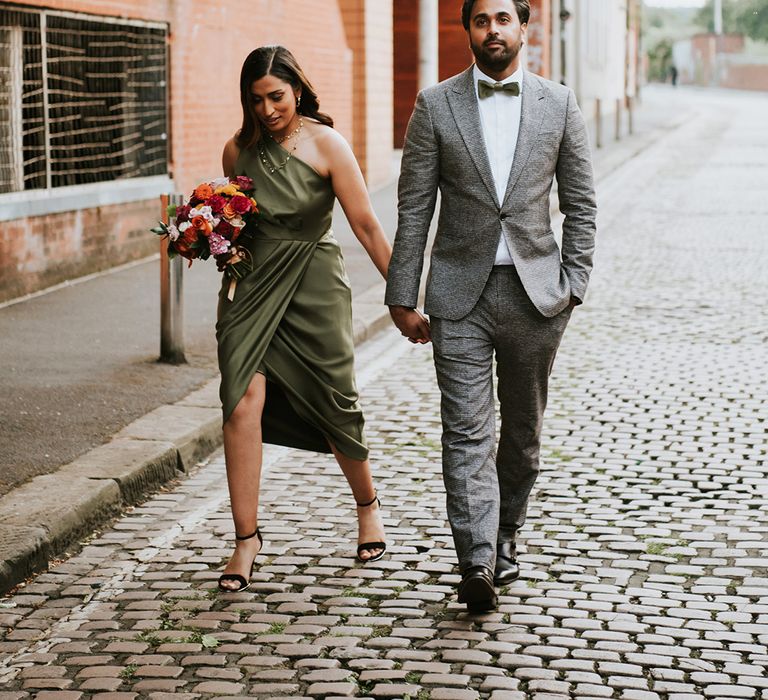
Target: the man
pixel 491 139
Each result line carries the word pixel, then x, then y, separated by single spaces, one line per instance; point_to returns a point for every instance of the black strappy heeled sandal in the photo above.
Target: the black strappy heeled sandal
pixel 237 578
pixel 370 546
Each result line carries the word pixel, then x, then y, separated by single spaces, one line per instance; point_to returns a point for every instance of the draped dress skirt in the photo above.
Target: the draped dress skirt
pixel 291 317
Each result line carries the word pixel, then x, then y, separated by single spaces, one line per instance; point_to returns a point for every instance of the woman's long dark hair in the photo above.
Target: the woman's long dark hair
pixel 280 62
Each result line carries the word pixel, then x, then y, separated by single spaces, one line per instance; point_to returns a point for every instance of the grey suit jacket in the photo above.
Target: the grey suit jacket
pixel 445 150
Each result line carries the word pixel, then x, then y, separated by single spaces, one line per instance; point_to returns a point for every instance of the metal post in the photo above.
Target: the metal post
pixel 718 23
pixel 598 124
pixel 617 135
pixel 718 16
pixel 171 297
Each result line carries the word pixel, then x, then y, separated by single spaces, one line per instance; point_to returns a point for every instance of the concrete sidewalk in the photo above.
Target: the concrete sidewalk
pixel 90 423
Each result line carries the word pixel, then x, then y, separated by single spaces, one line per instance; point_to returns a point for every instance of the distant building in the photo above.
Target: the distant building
pixel 719 60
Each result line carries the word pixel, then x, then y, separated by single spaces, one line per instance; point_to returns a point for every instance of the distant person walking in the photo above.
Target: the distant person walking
pixel 673 74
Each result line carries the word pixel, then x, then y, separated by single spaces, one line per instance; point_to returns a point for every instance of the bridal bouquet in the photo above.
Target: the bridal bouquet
pixel 210 223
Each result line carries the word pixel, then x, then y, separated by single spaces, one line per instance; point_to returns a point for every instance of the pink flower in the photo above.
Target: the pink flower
pixel 217 203
pixel 218 244
pixel 244 182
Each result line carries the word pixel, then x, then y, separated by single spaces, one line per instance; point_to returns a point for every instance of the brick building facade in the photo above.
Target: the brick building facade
pixel 50 236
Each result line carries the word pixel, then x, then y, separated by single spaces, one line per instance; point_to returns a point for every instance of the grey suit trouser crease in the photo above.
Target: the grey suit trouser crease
pixel 487 488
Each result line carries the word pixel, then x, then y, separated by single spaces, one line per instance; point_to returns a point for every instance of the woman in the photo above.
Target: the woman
pixel 285 340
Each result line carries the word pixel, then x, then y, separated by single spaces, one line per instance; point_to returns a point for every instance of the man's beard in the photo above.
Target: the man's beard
pixel 497 61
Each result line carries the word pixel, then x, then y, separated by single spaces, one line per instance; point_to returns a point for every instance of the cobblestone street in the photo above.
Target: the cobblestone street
pixel 645 554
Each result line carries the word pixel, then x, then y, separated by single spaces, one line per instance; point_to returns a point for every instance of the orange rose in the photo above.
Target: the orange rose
pixel 202 192
pixel 201 224
pixel 228 211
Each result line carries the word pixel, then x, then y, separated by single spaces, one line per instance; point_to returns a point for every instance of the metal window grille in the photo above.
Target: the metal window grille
pixel 83 99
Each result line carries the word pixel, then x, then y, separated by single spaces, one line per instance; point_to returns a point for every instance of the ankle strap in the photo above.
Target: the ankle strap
pixel 248 537
pixel 375 499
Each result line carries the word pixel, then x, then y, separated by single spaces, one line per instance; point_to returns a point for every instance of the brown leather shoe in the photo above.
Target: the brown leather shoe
pixel 476 589
pixel 507 568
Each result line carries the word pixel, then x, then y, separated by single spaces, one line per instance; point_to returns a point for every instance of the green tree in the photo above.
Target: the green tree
pixel 752 19
pixel 659 60
pixel 748 17
pixel 705 17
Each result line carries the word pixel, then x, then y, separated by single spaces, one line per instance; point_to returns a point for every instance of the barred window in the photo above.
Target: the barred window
pixel 83 99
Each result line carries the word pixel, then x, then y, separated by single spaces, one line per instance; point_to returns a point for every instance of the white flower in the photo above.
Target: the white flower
pixel 184 225
pixel 219 182
pixel 205 212
pixel 173 232
pixel 237 222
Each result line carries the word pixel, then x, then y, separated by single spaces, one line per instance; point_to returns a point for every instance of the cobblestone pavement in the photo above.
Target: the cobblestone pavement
pixel 645 555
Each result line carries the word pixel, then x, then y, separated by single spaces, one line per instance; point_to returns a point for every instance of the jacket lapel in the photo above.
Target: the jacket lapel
pixel 531 119
pixel 463 103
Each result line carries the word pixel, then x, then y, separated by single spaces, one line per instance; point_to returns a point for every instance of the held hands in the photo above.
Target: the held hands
pixel 411 323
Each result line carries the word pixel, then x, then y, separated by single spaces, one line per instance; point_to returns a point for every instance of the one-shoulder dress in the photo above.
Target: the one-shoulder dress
pixel 291 317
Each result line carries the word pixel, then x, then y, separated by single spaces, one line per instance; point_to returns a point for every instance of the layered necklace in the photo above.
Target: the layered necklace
pixel 271 168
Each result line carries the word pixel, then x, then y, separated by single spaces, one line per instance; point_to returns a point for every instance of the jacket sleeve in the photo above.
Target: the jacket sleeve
pixel 417 194
pixel 576 192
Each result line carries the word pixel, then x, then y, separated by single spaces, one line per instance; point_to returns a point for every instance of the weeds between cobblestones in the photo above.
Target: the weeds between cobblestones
pixel 644 558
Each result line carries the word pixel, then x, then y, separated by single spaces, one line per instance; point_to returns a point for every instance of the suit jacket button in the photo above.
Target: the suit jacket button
pixel 502 216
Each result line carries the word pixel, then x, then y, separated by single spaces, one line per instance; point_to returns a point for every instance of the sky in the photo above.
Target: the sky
pixel 675 3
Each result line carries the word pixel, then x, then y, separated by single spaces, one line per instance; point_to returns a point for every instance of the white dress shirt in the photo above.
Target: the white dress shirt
pixel 500 122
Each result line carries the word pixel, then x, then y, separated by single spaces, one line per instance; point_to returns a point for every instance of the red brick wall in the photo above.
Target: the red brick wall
pixel 353 15
pixel 454 51
pixel 406 78
pixel 540 38
pixel 708 49
pixel 209 41
pixel 41 251
pixel 746 76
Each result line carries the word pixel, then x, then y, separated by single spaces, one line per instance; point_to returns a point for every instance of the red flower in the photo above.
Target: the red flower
pixel 216 202
pixel 240 204
pixel 182 213
pixel 225 229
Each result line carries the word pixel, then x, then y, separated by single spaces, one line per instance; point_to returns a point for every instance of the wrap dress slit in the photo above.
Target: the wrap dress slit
pixel 291 317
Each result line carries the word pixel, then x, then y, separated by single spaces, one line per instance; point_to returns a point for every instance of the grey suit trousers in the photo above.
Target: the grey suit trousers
pixel 488 489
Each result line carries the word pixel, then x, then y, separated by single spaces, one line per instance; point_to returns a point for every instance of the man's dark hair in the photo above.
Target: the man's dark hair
pixel 523 11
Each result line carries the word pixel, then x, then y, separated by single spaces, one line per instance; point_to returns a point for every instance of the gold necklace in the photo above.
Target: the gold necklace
pixel 272 169
pixel 283 139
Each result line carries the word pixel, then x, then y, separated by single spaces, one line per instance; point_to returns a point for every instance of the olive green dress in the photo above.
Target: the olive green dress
pixel 291 317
